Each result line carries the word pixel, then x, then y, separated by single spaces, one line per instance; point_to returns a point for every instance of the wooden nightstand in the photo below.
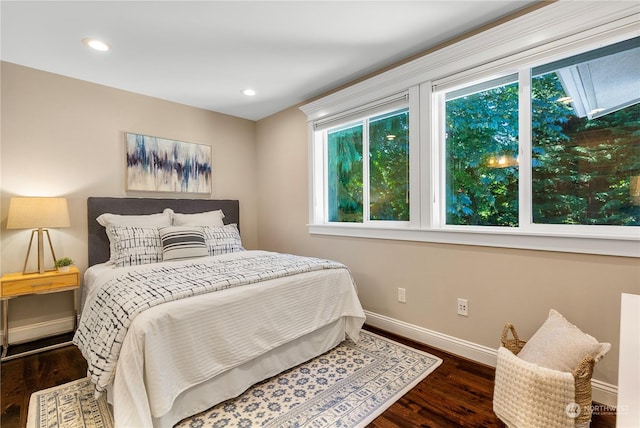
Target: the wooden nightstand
pixel 16 285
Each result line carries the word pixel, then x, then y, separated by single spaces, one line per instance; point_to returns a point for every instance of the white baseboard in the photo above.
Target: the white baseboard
pixel 39 330
pixel 604 393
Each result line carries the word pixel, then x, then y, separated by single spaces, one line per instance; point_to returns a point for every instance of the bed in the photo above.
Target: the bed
pixel 239 317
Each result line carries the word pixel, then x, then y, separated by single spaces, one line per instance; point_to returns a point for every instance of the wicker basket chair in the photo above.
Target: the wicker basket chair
pixel 582 381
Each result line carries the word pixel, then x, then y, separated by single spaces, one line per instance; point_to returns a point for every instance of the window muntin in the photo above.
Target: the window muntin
pixel 586 138
pixel 377 190
pixel 481 154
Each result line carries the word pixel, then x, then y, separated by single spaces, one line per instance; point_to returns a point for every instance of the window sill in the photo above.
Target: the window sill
pixel 610 245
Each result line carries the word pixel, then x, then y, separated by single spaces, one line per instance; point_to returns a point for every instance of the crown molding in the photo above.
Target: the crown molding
pixel 534 34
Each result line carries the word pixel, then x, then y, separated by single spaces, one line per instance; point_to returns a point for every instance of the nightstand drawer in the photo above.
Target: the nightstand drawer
pixel 39 285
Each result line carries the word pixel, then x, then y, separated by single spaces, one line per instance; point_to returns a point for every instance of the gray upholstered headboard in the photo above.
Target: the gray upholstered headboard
pixel 98 241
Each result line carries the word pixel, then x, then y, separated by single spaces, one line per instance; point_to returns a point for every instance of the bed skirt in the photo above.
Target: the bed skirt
pixel 234 382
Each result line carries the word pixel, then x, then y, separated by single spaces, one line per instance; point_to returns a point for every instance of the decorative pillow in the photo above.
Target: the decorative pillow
pixel 208 218
pixel 560 345
pixel 182 242
pixel 135 245
pixel 148 220
pixel 221 240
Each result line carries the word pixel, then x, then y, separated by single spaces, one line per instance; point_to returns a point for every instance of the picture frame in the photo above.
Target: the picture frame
pixel 155 164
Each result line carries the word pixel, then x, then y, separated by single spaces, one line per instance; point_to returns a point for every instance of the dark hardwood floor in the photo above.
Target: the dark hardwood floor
pixel 457 394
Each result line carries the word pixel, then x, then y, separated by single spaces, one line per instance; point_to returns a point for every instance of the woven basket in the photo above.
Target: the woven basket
pixel 582 375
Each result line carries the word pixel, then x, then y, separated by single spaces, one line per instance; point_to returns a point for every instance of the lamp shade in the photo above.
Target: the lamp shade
pixel 33 213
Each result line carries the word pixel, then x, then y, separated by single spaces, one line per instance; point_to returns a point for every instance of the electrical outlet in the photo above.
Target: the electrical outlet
pixel 402 295
pixel 463 307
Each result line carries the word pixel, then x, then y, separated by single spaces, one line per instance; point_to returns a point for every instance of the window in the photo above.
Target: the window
pixel 518 138
pixel 481 135
pixel 368 169
pixel 389 166
pixel 586 138
pixel 344 187
pixel 585 144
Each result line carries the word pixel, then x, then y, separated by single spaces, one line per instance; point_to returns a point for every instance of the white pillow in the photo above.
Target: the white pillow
pixel 222 240
pixel 208 218
pixel 135 245
pixel 560 345
pixel 182 242
pixel 148 220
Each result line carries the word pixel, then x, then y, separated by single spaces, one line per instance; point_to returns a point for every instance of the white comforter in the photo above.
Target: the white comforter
pixel 175 346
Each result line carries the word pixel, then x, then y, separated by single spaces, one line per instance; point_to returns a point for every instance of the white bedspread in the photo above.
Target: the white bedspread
pixel 174 346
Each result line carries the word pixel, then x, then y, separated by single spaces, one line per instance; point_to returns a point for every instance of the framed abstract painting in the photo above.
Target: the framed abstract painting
pixel 156 164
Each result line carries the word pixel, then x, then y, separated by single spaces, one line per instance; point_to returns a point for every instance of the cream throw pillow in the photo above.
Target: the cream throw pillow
pixel 560 345
pixel 208 218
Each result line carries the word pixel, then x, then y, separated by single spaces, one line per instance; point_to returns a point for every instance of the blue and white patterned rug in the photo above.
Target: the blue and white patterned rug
pixel 348 386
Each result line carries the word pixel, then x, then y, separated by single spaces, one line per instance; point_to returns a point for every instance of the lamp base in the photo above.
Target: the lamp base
pixel 40 231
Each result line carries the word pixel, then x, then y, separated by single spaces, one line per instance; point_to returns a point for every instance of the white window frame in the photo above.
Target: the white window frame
pixel 319 161
pixel 366 175
pixel 550 33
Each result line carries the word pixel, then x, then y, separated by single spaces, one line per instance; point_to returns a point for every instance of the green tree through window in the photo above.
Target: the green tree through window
pixel 345 174
pixel 389 167
pixel 583 169
pixel 387 152
pixel 481 153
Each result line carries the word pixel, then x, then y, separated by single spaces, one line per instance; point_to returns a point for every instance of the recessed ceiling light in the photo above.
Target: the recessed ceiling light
pixel 249 92
pixel 96 44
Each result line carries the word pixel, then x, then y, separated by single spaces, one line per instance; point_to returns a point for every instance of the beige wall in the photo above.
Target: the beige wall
pixel 502 285
pixel 64 137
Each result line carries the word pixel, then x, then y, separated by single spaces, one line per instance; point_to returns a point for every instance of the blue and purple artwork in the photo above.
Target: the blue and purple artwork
pixel 161 165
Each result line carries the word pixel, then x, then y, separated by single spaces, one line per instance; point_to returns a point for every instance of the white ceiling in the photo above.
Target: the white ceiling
pixel 205 53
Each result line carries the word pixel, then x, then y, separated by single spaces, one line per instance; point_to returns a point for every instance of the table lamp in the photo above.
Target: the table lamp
pixel 38 214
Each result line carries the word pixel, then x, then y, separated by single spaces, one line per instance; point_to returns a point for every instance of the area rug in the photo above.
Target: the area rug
pixel 348 386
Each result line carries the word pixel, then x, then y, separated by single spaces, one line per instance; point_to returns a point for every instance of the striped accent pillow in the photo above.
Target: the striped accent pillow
pixel 183 242
pixel 134 246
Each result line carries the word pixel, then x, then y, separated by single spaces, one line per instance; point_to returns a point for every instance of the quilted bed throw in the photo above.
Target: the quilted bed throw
pixel 107 317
